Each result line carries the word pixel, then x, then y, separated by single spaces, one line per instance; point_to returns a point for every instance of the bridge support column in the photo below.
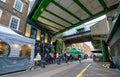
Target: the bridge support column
pixel 104 51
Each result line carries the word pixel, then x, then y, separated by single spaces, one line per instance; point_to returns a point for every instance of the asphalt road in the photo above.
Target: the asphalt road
pixel 86 68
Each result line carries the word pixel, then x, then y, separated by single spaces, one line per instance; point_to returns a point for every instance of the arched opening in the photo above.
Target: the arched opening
pixel 4 49
pixel 25 51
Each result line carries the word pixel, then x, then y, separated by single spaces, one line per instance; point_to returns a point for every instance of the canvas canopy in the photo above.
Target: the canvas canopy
pixel 15 41
pixel 20 49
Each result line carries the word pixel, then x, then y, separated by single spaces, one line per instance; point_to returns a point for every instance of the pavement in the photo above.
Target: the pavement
pixel 86 68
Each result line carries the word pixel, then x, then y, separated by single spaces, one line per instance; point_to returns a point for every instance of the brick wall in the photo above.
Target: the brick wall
pixel 9 11
pixel 83 47
pixel 5 18
pixel 86 48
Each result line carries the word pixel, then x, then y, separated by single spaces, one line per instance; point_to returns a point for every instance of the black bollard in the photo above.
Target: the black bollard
pixel 42 63
pixel 58 61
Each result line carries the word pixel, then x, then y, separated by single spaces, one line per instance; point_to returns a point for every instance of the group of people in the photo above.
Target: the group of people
pixel 51 58
pixel 58 58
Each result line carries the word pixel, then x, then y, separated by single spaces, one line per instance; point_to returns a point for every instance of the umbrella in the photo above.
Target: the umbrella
pixel 74 51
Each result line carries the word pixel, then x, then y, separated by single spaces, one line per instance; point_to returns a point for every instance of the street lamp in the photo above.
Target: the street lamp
pixel 43 52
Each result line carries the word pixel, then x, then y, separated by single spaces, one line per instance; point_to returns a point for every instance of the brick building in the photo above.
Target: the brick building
pixel 13 14
pixel 87 48
pixel 83 47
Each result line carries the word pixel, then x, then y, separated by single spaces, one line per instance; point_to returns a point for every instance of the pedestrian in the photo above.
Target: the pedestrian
pixel 58 56
pixel 79 58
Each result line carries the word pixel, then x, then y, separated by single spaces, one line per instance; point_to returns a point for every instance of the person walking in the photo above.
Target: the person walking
pixel 79 58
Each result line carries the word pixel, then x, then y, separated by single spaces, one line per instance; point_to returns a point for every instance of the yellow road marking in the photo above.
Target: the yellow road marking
pixel 81 73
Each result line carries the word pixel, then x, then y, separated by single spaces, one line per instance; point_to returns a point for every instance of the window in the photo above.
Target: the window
pixel 28 30
pixel 33 33
pixel 0 13
pixel 42 37
pixel 46 38
pixel 25 51
pixel 18 5
pixel 4 49
pixel 38 34
pixel 14 22
pixel 3 0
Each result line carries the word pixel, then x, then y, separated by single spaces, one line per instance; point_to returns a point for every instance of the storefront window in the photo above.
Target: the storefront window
pixel 46 38
pixel 25 51
pixel 4 49
pixel 38 34
pixel 28 29
pixel 33 33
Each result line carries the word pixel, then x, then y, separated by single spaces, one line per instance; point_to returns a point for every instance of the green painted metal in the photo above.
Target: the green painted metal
pixel 34 8
pixel 41 8
pixel 96 44
pixel 58 17
pixel 90 18
pixel 104 51
pixel 45 3
pixel 83 7
pixel 52 21
pixel 64 9
pixel 103 4
pixel 59 47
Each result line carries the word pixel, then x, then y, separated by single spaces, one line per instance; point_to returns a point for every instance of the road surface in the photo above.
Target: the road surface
pixel 86 68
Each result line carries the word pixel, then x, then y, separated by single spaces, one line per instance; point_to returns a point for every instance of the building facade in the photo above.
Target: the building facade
pixel 36 30
pixel 82 47
pixel 13 14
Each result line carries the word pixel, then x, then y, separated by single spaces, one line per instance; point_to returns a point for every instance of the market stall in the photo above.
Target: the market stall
pixel 16 51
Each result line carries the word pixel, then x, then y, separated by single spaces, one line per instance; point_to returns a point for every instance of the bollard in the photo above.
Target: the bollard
pixel 58 61
pixel 43 63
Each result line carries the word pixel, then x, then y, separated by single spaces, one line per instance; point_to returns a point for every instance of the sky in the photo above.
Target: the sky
pixel 31 3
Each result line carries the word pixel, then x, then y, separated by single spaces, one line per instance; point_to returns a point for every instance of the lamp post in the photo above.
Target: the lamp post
pixel 43 53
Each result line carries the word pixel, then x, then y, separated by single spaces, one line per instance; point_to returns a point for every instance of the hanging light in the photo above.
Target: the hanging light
pixel 16 45
pixel 29 45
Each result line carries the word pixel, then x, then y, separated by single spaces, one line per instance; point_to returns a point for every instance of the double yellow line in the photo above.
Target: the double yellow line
pixel 81 73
